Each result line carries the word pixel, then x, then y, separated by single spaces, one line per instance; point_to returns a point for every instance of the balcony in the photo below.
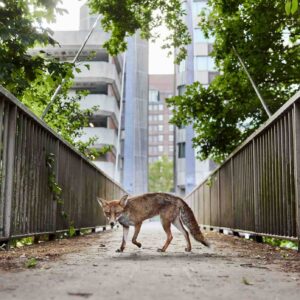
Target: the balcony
pixel 108 105
pixel 105 136
pixel 70 42
pixel 99 72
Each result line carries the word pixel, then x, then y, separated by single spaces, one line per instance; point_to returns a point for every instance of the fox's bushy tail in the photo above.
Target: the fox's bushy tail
pixel 189 220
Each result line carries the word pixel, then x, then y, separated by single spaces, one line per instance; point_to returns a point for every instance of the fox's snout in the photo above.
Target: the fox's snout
pixel 112 224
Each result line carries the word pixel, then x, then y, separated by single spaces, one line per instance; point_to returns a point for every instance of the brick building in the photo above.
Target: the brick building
pixel 161 133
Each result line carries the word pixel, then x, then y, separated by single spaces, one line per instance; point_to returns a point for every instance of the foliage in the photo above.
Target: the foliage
pixel 72 230
pixel 31 263
pixel 228 111
pixel 65 115
pixel 34 77
pixel 17 68
pixel 52 183
pixel 291 6
pixel 57 192
pixel 123 18
pixel 280 243
pixel 161 175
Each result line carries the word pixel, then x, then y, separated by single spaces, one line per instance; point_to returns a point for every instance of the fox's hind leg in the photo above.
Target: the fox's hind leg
pixel 178 224
pixel 167 228
pixel 137 229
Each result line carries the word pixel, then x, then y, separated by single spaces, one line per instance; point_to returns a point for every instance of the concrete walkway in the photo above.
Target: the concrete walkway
pixel 97 272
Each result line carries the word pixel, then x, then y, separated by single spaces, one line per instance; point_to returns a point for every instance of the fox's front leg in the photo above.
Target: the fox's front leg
pixel 125 235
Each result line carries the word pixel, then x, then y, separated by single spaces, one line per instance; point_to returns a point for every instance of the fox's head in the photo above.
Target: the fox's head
pixel 113 209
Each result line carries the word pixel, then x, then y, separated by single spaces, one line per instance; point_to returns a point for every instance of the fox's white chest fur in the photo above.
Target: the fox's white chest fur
pixel 125 220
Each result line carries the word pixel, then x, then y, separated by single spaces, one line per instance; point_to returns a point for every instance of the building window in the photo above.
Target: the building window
pixel 181 90
pixel 160 138
pixel 197 7
pixel 161 107
pixel 160 148
pixel 160 117
pixel 211 64
pixel 199 37
pixel 181 150
pixel 153 95
pixel 181 66
pixel 204 63
pixel 171 148
pixel 99 121
pixel 160 127
pixel 171 138
pixel 171 127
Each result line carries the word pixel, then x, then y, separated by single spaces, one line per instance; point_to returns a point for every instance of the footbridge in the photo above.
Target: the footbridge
pixel 48 188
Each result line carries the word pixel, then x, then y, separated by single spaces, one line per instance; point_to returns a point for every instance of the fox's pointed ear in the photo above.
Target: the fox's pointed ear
pixel 124 200
pixel 101 202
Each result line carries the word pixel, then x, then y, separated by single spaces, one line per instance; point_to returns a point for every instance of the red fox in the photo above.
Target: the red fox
pixel 132 211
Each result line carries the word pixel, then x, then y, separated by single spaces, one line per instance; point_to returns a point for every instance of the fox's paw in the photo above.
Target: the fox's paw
pixel 161 250
pixel 188 249
pixel 119 250
pixel 138 244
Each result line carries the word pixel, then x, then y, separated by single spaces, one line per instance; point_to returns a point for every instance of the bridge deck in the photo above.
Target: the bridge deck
pixel 233 269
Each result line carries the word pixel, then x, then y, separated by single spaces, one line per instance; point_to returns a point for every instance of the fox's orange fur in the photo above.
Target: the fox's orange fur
pixel 132 211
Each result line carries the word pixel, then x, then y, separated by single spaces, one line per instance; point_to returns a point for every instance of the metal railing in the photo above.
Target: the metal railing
pixel 27 200
pixel 256 189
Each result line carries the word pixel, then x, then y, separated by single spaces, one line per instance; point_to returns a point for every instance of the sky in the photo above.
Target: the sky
pixel 159 63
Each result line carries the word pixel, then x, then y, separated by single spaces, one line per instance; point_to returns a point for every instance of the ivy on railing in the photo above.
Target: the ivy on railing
pixel 57 191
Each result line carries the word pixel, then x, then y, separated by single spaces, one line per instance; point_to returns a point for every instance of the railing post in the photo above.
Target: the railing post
pixel 9 160
pixel 255 194
pixel 232 192
pixel 219 199
pixel 56 206
pixel 296 137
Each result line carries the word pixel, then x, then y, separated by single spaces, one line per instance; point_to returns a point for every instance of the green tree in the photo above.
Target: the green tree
pixel 21 29
pixel 161 175
pixel 228 111
pixel 123 18
pixel 33 78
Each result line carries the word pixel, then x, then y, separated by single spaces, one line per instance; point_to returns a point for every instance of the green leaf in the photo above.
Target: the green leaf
pixel 288 5
pixel 294 6
pixel 72 231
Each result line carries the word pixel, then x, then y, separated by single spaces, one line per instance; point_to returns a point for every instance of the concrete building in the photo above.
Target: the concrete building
pixel 135 134
pixel 161 133
pixel 198 66
pixel 103 80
